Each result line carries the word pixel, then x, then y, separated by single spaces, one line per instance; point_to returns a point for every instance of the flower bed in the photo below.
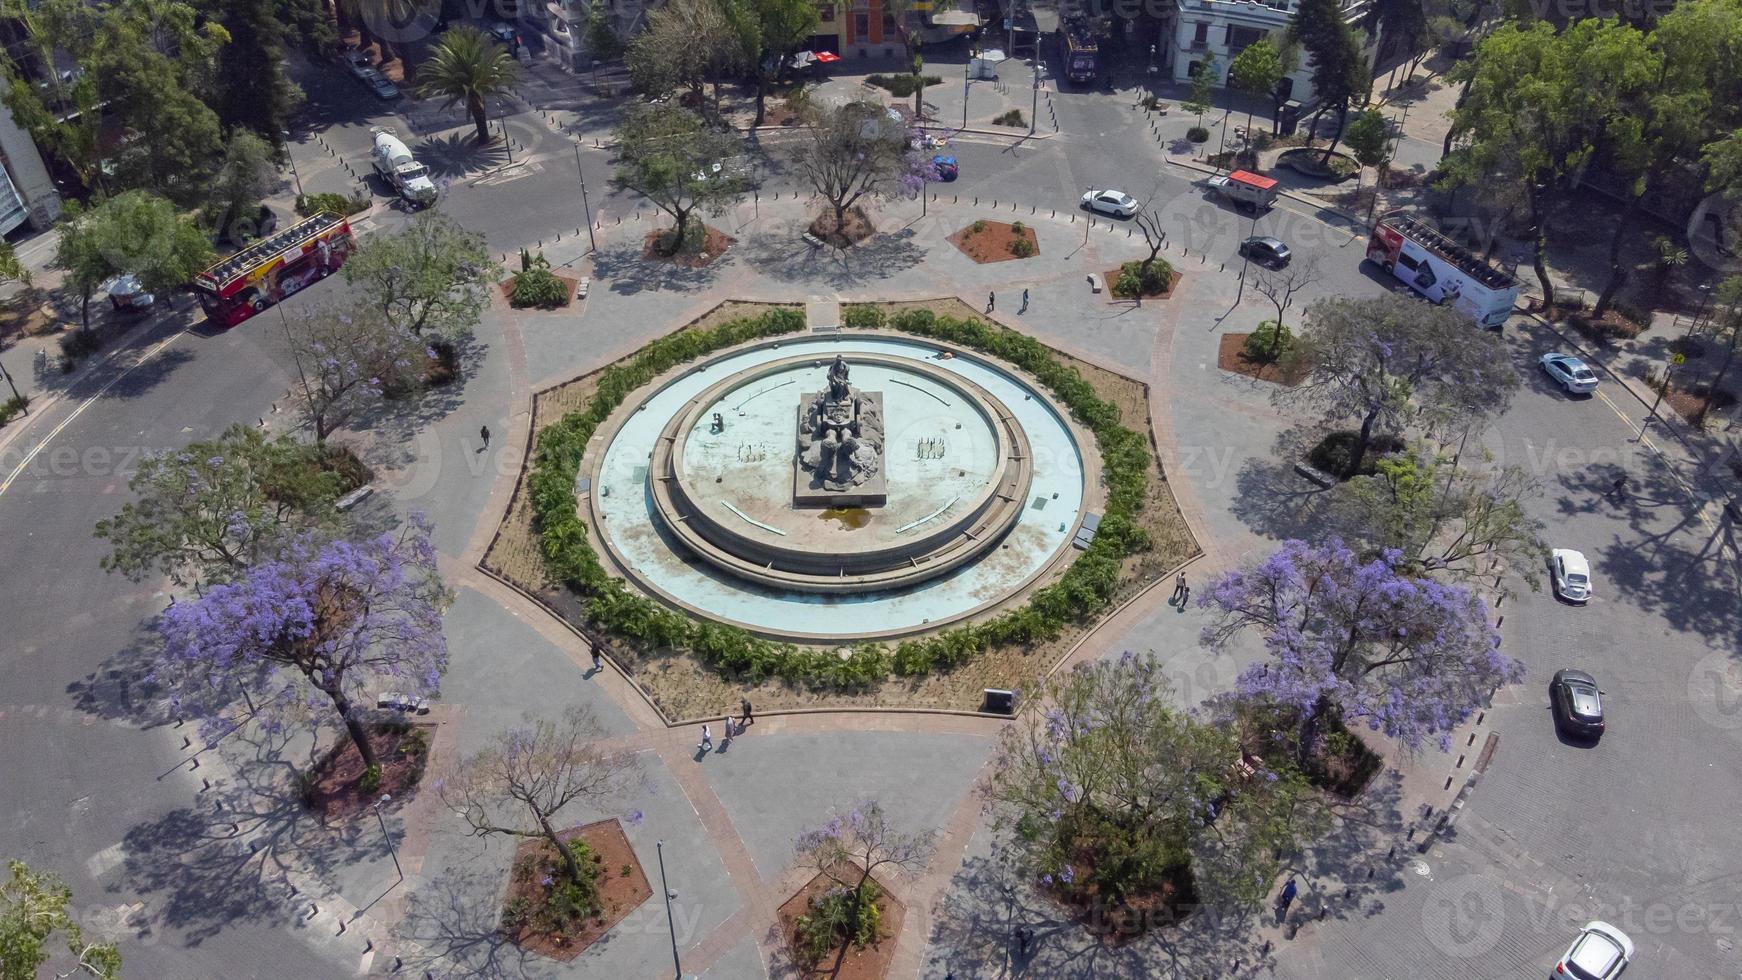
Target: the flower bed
pixel 1231 356
pixel 806 912
pixel 339 785
pixel 543 916
pixel 996 241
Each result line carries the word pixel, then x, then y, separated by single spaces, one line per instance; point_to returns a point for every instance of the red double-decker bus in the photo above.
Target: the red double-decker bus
pixel 274 267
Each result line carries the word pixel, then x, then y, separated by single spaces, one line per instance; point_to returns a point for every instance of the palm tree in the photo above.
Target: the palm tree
pixel 468 66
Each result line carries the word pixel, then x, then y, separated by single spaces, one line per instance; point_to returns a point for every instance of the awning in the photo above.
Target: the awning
pixel 1252 180
pixel 956 18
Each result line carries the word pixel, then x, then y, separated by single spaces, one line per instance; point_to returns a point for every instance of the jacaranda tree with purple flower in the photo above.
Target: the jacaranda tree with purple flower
pixel 323 623
pixel 527 775
pixel 1410 656
pixel 1112 792
pixel 849 850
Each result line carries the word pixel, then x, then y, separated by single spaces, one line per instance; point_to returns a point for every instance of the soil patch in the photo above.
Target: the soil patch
pixel 1111 278
pixel 1120 920
pixel 1603 331
pixel 622 888
pixel 1694 398
pixel 24 315
pixel 714 243
pixel 1231 356
pixel 869 963
pixel 683 688
pixel 995 241
pixel 855 228
pixel 334 787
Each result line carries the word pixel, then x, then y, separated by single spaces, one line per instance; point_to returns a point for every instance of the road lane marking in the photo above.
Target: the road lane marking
pixel 146 357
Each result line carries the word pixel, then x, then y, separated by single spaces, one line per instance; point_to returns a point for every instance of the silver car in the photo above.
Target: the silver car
pixel 1570 373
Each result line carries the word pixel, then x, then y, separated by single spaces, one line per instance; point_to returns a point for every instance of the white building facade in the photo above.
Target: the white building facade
pixel 1198 31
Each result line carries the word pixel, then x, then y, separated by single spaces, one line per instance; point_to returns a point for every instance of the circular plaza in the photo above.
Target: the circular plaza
pixel 837 487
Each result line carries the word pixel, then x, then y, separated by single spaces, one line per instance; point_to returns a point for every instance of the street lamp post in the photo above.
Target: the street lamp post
pixel 1246 257
pixel 388 798
pixel 1089 219
pixel 507 144
pixel 586 207
pixel 13 385
pixel 676 963
pixel 1705 289
pixel 1034 104
pixel 967 70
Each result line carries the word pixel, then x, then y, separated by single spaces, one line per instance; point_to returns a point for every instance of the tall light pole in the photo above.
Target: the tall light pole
pixel 507 143
pixel 1034 105
pixel 586 207
pixel 677 964
pixel 1246 257
pixel 292 158
pixel 967 72
pixel 388 798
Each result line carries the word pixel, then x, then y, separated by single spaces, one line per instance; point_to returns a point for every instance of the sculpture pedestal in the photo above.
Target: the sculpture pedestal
pixel 807 485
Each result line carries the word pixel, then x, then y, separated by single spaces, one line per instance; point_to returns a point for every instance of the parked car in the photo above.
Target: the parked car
pixel 946 167
pixel 357 62
pixel 1577 704
pixel 1266 250
pixel 1570 373
pixel 1116 203
pixel 1571 574
pixel 127 296
pixel 384 89
pixel 1600 953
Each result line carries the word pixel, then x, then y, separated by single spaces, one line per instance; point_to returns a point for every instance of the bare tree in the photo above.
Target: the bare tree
pixel 522 780
pixel 1148 224
pixel 858 150
pixel 850 849
pixel 343 357
pixel 1280 286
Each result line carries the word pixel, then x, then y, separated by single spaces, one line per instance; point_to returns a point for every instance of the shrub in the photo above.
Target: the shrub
pixel 1085 588
pixel 626 870
pixel 862 316
pixel 1198 134
pixel 1011 118
pixel 516 913
pixel 13 407
pixel 1017 227
pixel 833 921
pixel 539 287
pixel 1332 453
pixel 78 345
pixel 1134 280
pixel 902 85
pixel 1639 316
pixel 1268 343
pixel 343 204
pixel 370 781
pixel 977 227
pixel 1022 248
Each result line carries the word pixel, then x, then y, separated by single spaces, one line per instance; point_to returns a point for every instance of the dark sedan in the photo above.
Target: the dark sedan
pixel 1578 705
pixel 1266 250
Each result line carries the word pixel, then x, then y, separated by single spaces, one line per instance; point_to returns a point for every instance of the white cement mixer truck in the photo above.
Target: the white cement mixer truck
pixel 401 170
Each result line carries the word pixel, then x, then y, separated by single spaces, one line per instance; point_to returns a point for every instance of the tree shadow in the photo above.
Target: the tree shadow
pixel 456 920
pixel 458 154
pixel 628 271
pixel 1275 501
pixel 126 688
pixel 394 422
pixel 1672 563
pixel 228 859
pixel 142 379
pixel 782 254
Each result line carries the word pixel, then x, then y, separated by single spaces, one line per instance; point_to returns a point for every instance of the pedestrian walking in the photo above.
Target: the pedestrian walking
pixel 484 434
pixel 1620 487
pixel 1024 302
pixel 991 301
pixel 1284 900
pixel 747 718
pixel 707 740
pixel 1179 588
pixel 1024 936
pixel 730 731
pixel 598 660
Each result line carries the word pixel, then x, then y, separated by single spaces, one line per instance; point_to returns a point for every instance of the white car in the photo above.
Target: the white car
pixel 1571 574
pixel 1570 373
pixel 1600 953
pixel 1116 203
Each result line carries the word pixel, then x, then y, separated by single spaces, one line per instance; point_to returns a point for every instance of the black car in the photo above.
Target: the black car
pixel 1270 251
pixel 1578 705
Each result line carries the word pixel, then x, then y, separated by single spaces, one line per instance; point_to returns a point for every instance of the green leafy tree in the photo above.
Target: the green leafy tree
pixel 665 153
pixel 1393 361
pixel 855 151
pixel 311 24
pixel 431 278
pixel 602 40
pixel 783 26
pixel 1448 520
pixel 1542 133
pixel 1727 326
pixel 468 67
pixel 1255 71
pixel 137 234
pixel 207 512
pixel 685 43
pixel 1370 143
pixel 1201 99
pixel 253 88
pixel 1339 70
pixel 1108 791
pixel 35 907
pixel 247 176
